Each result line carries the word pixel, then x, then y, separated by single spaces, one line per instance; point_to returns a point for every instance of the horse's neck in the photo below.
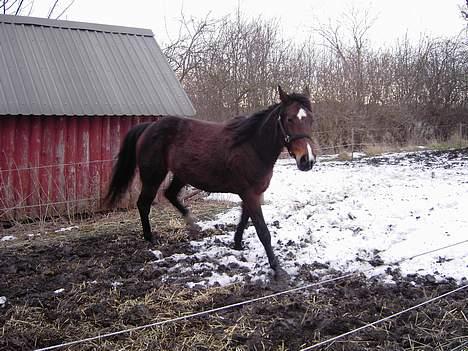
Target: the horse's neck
pixel 268 142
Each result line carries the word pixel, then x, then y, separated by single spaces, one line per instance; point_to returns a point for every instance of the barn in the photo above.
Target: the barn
pixel 69 91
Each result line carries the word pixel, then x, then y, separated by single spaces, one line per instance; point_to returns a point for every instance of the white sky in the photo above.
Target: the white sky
pixel 394 18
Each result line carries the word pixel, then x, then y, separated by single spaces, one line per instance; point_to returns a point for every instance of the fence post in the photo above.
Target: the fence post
pixel 460 130
pixel 352 143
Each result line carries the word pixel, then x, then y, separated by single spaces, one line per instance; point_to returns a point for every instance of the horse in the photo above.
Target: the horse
pixel 236 156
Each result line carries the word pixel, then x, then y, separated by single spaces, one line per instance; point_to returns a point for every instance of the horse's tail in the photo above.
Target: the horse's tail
pixel 124 169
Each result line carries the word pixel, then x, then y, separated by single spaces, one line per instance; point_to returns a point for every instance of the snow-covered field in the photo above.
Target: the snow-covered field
pixel 364 215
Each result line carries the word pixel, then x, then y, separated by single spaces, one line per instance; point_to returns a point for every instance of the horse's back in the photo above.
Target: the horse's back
pixel 197 152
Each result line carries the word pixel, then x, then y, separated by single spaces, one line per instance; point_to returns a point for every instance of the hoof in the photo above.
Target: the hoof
pixel 281 275
pixel 194 227
pixel 153 239
pixel 190 221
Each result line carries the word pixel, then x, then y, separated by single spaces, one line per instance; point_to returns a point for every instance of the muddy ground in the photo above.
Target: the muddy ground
pixel 98 278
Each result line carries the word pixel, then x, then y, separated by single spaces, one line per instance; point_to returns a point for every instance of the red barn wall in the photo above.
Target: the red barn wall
pixel 53 165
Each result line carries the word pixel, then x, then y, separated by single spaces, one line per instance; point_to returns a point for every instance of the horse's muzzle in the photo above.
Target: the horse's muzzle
pixel 304 163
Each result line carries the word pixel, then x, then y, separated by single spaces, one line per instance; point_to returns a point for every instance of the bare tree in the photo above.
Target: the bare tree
pixel 348 39
pixel 186 51
pixel 57 8
pixel 230 66
pixel 225 65
pixel 464 10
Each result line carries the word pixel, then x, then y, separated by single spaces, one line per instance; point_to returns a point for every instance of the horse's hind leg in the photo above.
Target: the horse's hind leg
pixel 171 194
pixel 148 193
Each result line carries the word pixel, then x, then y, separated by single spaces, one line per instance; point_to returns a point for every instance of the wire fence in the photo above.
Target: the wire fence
pixel 461 126
pixel 53 190
pixel 101 336
pixel 5 210
pixel 381 320
pixel 463 346
pixel 17 201
pixel 56 165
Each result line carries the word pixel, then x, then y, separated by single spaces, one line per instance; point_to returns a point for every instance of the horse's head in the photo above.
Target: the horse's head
pixel 295 123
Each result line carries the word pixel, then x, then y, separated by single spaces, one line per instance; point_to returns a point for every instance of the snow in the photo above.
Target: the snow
pixel 158 254
pixel 3 301
pixel 8 238
pixel 348 216
pixel 67 229
pixel 59 291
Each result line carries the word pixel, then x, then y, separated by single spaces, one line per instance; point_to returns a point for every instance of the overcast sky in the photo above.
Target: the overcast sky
pixel 395 18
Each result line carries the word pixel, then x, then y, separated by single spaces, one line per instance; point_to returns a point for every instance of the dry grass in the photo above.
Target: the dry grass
pixel 344 156
pixel 377 149
pixel 315 317
pixel 456 141
pixel 371 150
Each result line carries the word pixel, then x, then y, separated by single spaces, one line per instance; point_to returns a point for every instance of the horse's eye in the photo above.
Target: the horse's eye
pixel 290 119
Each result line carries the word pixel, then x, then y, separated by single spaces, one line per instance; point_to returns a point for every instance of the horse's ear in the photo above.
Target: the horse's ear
pixel 283 96
pixel 306 91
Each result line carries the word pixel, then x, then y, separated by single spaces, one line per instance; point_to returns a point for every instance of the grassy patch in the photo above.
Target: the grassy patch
pixel 454 142
pixel 344 156
pixel 163 217
pixel 375 150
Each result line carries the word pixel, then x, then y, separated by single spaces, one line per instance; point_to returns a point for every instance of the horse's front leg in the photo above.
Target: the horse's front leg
pixel 240 229
pixel 252 205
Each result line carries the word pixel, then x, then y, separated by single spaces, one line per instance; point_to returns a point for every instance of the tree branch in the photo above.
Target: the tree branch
pixel 52 9
pixel 65 9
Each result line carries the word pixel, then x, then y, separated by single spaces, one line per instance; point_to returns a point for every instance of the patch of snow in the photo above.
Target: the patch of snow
pixel 116 284
pixel 66 229
pixel 59 291
pixel 8 238
pixel 224 197
pixel 158 254
pixel 359 155
pixel 222 279
pixel 3 301
pixel 348 216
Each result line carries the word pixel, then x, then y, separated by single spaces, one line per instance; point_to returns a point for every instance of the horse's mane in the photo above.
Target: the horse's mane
pixel 245 127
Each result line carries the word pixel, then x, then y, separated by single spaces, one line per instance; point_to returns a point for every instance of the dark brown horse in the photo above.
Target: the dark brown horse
pixel 233 157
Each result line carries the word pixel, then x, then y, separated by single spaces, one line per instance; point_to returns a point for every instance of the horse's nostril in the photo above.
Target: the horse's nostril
pixel 304 163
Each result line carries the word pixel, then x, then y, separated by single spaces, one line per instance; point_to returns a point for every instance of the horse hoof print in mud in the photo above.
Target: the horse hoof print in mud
pixel 236 156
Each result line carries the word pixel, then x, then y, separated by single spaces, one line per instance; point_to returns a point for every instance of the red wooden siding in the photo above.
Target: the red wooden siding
pixel 53 165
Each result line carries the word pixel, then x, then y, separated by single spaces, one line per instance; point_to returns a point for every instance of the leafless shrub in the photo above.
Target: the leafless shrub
pixel 407 92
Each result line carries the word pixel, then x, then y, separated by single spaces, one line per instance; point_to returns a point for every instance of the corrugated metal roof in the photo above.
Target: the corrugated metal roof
pixel 51 67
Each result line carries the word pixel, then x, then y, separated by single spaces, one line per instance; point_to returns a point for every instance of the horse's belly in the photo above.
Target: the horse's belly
pixel 210 169
pixel 204 177
pixel 211 184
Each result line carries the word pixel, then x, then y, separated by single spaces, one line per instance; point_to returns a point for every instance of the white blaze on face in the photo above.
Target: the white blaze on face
pixel 301 113
pixel 309 152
